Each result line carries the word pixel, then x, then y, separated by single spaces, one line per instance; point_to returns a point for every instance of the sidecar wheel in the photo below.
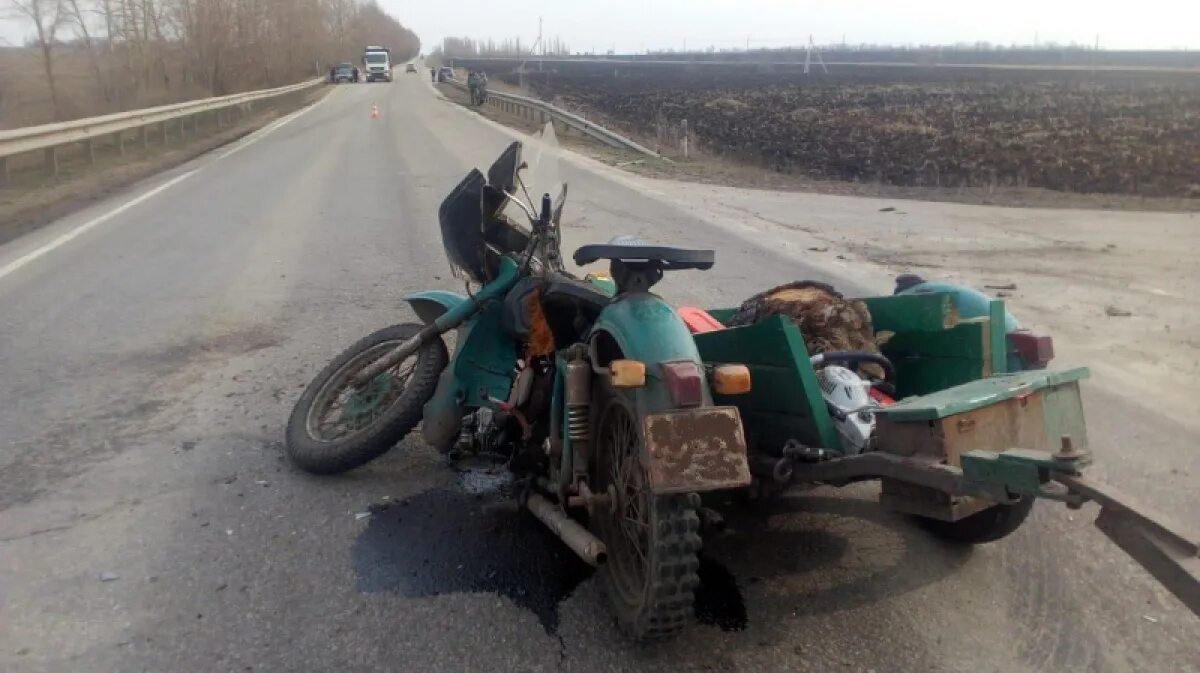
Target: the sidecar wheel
pixel 652 541
pixel 335 427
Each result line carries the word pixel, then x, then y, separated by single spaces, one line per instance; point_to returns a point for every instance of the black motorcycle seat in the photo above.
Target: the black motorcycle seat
pixel 564 289
pixel 633 249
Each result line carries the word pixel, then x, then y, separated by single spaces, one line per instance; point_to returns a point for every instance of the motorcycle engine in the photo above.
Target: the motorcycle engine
pixel 848 398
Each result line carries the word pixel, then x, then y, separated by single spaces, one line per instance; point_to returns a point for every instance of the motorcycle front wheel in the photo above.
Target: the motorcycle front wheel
pixel 336 426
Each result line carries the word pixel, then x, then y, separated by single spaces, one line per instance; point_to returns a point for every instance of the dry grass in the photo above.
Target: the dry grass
pixel 33 197
pixel 25 96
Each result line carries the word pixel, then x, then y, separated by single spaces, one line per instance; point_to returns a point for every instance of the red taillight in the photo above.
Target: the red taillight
pixel 684 383
pixel 1035 351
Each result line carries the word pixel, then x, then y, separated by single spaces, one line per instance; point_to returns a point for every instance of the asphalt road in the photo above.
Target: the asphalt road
pixel 148 522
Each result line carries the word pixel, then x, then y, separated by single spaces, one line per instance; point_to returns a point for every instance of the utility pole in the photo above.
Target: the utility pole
pixel 812 49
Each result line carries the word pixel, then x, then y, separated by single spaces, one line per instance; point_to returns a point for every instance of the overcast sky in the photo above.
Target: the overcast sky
pixel 637 25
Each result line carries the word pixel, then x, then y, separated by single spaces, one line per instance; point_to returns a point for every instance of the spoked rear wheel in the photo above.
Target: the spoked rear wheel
pixel 652 540
pixel 336 426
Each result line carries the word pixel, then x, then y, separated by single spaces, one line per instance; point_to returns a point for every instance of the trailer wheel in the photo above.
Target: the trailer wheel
pixel 989 525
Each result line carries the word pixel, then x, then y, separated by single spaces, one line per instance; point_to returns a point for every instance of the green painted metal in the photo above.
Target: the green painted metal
pixel 926 375
pixel 980 393
pixel 784 401
pixel 483 359
pixel 964 341
pixel 971 303
pixel 930 361
pixel 723 315
pixel 508 275
pixel 930 312
pixel 997 336
pixel 429 305
pixel 1063 414
pixel 442 414
pixel 647 329
pixel 1015 471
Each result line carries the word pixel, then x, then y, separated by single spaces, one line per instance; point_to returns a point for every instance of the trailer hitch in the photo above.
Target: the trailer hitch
pixel 1168 551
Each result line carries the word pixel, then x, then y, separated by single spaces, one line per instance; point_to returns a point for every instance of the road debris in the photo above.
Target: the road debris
pixel 108 577
pixel 888 209
pixel 1002 286
pixel 1115 312
pixel 262 482
pixel 1150 619
pixel 377 507
pixel 359 516
pixel 818 249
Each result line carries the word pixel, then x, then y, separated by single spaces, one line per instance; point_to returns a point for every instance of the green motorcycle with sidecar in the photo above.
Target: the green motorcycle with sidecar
pixel 619 413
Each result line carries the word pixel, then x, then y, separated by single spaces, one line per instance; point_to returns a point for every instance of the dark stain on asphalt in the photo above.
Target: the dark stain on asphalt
pixel 463 540
pixel 719 599
pixel 450 541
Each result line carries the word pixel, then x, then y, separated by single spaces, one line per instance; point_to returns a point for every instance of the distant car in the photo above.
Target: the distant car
pixel 411 67
pixel 445 74
pixel 343 73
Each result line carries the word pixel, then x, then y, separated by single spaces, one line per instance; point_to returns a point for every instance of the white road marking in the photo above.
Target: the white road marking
pixel 81 229
pixel 270 128
pixel 97 221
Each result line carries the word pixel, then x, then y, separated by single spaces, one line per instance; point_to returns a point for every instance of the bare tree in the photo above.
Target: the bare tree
pixel 145 52
pixel 47 17
pixel 77 15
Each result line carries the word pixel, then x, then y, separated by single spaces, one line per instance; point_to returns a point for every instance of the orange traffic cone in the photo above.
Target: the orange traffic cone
pixel 374 112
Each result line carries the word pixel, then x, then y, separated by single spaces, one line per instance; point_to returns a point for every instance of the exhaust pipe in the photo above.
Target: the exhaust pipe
pixel 587 546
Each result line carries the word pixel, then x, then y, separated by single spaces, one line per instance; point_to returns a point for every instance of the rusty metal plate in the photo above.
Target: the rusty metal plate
pixel 696 450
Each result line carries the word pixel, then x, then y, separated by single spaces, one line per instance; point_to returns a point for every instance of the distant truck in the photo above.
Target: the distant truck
pixel 377 64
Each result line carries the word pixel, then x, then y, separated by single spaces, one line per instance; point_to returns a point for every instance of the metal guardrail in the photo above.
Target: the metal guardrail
pixel 49 137
pixel 528 106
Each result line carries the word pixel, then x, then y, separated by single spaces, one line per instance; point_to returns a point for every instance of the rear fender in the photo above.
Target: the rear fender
pixel 643 327
pixel 687 450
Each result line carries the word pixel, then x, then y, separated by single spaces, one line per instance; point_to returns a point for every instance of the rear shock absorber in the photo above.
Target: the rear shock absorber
pixel 578 401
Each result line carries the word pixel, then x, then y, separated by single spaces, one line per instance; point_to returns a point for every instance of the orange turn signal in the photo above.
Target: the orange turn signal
pixel 731 379
pixel 628 373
